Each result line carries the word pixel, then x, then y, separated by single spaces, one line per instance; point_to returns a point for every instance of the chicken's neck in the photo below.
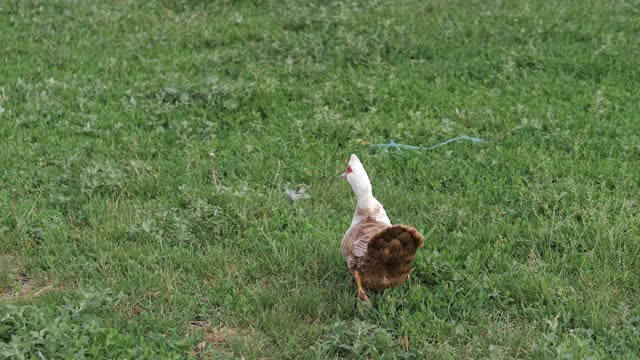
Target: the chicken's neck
pixel 368 208
pixel 365 200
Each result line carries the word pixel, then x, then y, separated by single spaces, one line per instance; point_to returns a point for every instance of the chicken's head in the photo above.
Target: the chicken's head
pixel 357 176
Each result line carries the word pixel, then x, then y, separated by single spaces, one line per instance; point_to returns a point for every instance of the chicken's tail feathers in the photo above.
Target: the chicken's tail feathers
pixel 393 249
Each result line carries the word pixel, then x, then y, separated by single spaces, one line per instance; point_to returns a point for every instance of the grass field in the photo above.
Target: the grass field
pixel 116 242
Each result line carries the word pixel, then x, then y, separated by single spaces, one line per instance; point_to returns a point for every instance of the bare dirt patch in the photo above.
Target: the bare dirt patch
pixel 214 337
pixel 16 284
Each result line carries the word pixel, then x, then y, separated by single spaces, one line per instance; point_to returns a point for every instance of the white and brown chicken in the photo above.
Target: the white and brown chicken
pixel 378 254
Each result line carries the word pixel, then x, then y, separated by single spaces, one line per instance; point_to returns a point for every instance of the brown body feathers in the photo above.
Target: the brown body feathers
pixel 382 254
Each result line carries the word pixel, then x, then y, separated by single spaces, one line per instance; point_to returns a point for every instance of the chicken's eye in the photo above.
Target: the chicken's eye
pixel 349 169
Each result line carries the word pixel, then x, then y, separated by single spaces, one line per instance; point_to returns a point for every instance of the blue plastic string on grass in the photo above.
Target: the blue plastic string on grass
pixel 399 147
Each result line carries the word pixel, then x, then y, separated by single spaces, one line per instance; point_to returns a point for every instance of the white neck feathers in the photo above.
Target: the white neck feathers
pixel 368 208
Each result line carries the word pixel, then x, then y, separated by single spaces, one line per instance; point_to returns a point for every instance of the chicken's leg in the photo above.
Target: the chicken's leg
pixel 361 294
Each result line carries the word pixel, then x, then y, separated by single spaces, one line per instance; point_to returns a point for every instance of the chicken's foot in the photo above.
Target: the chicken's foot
pixel 362 296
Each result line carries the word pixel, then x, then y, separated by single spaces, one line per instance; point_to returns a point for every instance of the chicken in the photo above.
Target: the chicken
pixel 378 254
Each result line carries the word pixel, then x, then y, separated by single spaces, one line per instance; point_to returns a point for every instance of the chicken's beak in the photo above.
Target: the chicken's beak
pixel 343 175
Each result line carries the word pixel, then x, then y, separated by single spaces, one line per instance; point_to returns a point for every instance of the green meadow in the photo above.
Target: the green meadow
pixel 120 238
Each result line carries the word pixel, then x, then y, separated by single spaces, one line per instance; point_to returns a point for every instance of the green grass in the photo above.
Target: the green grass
pixel 109 111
